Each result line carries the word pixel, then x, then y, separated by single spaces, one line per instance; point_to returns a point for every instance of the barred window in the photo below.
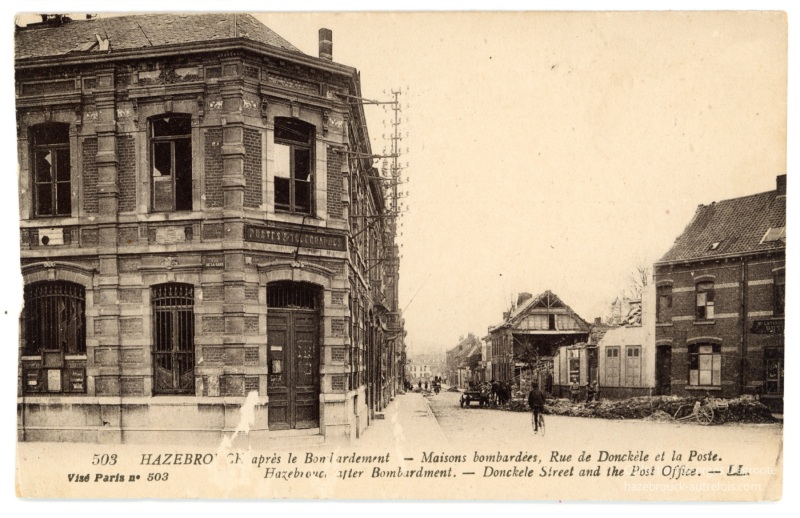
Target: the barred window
pixel 173 340
pixel 55 327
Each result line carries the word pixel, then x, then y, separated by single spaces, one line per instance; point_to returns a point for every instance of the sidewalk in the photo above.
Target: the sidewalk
pixel 408 428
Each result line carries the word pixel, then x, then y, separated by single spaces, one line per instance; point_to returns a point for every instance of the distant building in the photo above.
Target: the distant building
pixel 424 367
pixel 463 361
pixel 720 293
pixel 530 335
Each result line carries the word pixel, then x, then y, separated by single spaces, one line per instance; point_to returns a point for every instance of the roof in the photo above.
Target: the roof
pixel 142 31
pixel 731 227
pixel 547 297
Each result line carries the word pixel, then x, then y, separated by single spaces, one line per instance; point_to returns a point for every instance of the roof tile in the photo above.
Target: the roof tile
pixel 145 30
pixel 737 225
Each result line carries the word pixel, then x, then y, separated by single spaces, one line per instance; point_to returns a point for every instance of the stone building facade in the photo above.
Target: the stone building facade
pixel 201 229
pixel 720 293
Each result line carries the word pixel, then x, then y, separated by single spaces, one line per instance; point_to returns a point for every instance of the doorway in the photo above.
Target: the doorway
pixel 663 370
pixel 293 355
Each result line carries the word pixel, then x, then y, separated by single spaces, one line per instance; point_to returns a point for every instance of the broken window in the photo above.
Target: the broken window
pixel 705 365
pixel 51 170
pixel 171 162
pixel 664 304
pixel 292 162
pixel 705 300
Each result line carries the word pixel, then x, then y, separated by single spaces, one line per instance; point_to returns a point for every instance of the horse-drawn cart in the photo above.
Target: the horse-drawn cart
pixel 479 395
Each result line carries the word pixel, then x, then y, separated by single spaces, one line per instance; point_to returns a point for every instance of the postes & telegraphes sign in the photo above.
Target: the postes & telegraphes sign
pixel 294 238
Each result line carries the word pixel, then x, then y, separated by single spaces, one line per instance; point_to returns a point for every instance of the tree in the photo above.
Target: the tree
pixel 637 280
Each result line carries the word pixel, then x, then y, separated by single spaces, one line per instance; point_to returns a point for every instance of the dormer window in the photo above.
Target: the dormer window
pixel 774 234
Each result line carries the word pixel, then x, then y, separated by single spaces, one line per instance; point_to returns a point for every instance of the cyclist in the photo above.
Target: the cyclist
pixel 536 402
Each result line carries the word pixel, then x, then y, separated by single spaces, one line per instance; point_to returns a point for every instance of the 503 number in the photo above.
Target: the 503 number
pixel 157 477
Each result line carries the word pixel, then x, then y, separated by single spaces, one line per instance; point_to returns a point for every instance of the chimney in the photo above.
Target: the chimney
pixel 780 184
pixel 326 44
pixel 597 321
pixel 522 297
pixel 506 314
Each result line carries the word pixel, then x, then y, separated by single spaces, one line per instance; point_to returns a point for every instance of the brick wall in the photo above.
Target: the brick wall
pixel 335 190
pixel 126 154
pixel 252 168
pixel 90 176
pixel 729 328
pixel 213 168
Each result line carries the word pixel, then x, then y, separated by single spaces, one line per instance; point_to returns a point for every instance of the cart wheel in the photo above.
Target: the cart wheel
pixel 705 414
pixel 722 416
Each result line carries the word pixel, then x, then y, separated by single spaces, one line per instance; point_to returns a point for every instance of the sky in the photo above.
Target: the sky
pixel 557 151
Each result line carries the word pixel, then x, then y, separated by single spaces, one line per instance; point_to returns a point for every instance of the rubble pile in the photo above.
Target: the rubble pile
pixel 453 389
pixel 653 408
pixel 747 409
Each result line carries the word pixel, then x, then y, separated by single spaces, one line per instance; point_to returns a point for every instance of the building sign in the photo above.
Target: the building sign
pixel 294 238
pixel 767 327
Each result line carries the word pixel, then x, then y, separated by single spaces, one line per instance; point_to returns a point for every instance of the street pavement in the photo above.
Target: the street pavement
pixel 480 427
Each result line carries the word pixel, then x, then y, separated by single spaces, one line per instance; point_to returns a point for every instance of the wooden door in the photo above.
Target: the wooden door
pixel 293 362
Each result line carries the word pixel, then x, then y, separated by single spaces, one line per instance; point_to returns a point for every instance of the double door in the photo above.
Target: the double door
pixel 293 363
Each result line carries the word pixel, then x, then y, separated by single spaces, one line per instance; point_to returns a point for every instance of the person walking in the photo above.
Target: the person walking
pixel 536 402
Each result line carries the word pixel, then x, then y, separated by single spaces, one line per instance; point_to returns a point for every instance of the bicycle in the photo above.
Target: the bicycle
pixel 541 423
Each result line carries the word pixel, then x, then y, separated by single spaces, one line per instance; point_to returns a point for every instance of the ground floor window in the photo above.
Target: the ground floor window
pixel 54 327
pixel 705 364
pixel 173 340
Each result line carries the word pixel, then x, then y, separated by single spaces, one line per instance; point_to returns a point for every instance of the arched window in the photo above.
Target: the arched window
pixel 173 338
pixel 171 162
pixel 50 157
pixel 55 326
pixel 293 163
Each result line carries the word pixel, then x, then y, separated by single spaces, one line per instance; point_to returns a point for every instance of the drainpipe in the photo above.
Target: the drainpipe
pixel 743 360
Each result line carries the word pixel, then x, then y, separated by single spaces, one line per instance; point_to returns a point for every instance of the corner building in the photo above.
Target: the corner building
pixel 201 229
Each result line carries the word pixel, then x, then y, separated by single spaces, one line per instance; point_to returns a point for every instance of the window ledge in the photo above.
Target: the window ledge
pixel 704 322
pixel 664 324
pixel 703 387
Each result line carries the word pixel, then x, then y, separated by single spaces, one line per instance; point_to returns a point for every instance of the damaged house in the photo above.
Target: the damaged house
pixel 200 229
